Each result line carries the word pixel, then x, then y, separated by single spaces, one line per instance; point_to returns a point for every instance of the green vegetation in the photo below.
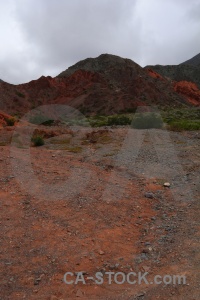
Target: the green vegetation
pixel 60 142
pixel 176 119
pixel 185 125
pixel 41 120
pixel 10 121
pixel 182 119
pixel 20 94
pixel 48 123
pixel 37 140
pixel 147 120
pixel 99 121
pixel 118 120
pixel 74 149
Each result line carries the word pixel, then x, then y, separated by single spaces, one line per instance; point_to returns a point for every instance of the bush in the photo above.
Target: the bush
pixel 98 121
pixel 118 120
pixel 147 121
pixel 37 140
pixel 185 125
pixel 20 94
pixel 48 123
pixel 38 119
pixel 10 121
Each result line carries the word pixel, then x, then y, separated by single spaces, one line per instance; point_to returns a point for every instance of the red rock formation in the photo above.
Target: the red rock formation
pixel 188 90
pixel 154 74
pixel 105 85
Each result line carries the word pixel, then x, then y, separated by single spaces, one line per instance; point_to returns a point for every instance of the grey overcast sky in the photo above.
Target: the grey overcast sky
pixel 44 37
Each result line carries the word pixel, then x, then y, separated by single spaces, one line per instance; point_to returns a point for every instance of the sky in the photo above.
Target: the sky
pixel 45 37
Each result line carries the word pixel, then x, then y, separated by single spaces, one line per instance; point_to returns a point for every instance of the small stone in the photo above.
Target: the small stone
pixel 79 293
pixel 140 295
pixel 101 252
pixel 145 268
pixel 149 195
pixel 112 267
pixel 166 184
pixel 147 244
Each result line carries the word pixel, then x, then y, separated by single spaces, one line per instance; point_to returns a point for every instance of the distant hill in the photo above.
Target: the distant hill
pixel 187 71
pixel 195 61
pixel 181 72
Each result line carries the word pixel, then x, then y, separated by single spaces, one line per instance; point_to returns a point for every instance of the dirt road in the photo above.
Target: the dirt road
pixel 94 201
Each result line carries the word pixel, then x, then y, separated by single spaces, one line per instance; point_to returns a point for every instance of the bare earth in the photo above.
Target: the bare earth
pixel 89 201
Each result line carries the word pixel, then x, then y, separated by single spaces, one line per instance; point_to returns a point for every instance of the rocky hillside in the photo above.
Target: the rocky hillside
pixel 185 78
pixel 195 61
pixel 107 84
pixel 181 72
pixel 3 118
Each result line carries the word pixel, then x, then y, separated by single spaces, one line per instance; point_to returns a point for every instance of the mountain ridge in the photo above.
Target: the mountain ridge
pixel 107 85
pixel 186 71
pixel 194 61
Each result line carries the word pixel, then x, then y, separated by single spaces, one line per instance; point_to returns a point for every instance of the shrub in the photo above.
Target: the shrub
pixel 185 125
pixel 20 94
pixel 118 120
pixel 38 119
pixel 10 121
pixel 97 121
pixel 37 140
pixel 147 120
pixel 48 123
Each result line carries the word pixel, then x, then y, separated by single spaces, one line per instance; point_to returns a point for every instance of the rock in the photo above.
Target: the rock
pixel 101 252
pixel 140 295
pixel 145 268
pixel 149 195
pixel 112 267
pixel 166 184
pixel 147 244
pixel 79 293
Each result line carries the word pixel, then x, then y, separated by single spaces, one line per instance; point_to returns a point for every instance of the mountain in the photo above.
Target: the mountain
pixel 106 64
pixel 195 61
pixel 107 84
pixel 185 78
pixel 182 72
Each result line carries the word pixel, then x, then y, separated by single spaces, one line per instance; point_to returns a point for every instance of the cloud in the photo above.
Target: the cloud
pixel 60 35
pixel 45 37
pixel 169 36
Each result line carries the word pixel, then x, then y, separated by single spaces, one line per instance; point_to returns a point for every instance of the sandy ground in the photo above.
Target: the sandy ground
pixel 93 200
